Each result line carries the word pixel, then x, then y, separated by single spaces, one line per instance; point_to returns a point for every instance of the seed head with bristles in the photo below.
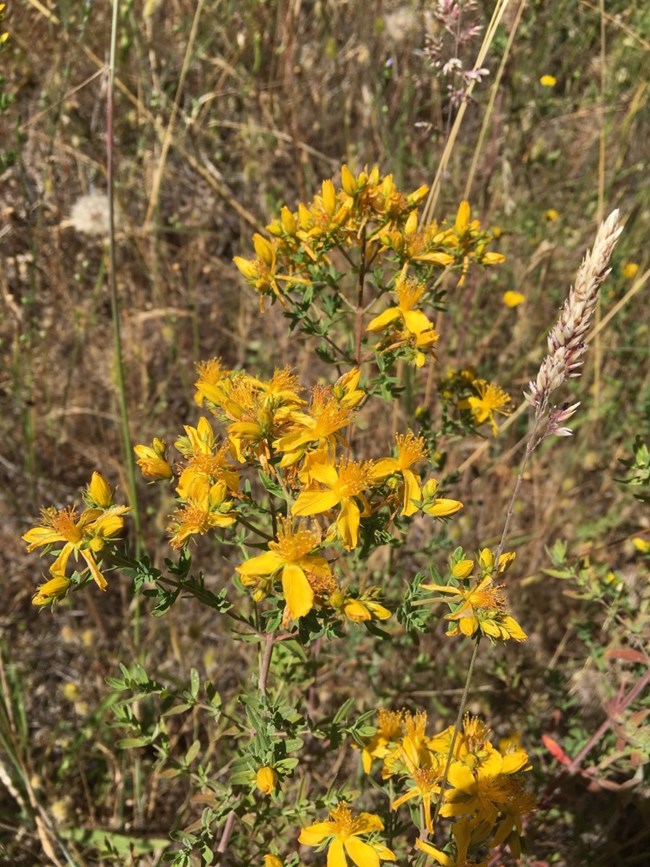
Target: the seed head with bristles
pixel 566 341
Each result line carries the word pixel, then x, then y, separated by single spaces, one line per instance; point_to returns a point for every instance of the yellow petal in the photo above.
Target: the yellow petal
pixel 435 258
pixel 266 779
pixel 416 321
pixel 462 217
pixel 348 181
pixel 263 564
pixel 442 507
pixel 297 591
pixel 336 854
pixel 383 320
pixel 348 524
pixel 412 491
pixel 462 569
pixel 247 268
pixel 312 835
pixel 513 299
pixel 315 502
pixel 384 467
pixel 356 611
pixel 100 492
pixel 264 249
pixel 363 854
pixel 436 854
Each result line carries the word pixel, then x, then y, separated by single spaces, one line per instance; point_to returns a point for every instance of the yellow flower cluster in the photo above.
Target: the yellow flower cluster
pixel 482 794
pixel 367 219
pixel 477 604
pixel 299 443
pixel 84 536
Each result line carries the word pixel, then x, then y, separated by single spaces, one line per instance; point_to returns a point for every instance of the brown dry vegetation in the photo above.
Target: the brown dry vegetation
pixel 272 98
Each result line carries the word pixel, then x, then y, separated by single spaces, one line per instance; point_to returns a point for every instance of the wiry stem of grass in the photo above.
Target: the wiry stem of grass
pixel 496 87
pixel 490 33
pixel 169 132
pixel 598 351
pixel 112 277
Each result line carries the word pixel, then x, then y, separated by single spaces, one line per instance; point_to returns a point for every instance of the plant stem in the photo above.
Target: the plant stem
pixel 225 837
pixel 112 276
pixel 266 662
pixel 359 309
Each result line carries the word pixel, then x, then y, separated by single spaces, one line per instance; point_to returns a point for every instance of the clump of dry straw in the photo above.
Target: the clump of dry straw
pixel 566 341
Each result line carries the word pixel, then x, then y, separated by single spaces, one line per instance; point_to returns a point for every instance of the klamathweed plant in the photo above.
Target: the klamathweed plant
pixel 272 469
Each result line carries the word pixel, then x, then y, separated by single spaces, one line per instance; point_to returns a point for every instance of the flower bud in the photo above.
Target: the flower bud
pixel 266 779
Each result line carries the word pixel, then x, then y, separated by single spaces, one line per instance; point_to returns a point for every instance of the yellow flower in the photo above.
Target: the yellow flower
pixel 491 399
pixel 207 463
pixel 345 831
pixel 51 591
pixel 389 731
pixel 99 494
pixel 291 557
pixel 630 270
pixel 266 779
pixel 262 272
pixel 642 545
pixel 201 515
pixel 272 861
pixel 424 784
pixel 346 388
pixel 548 81
pixel 409 291
pixel 364 608
pixel 84 536
pixel 211 373
pixel 513 299
pixel 410 449
pixel 479 608
pixel 343 487
pixel 462 833
pixel 326 416
pixel 152 460
pixel 551 215
pixel 438 507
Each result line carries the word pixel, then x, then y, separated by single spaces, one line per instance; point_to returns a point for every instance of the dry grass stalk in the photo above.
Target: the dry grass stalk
pixel 566 342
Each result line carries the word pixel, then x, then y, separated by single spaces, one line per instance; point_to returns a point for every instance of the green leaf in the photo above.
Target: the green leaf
pixel 193 752
pixel 133 743
pixel 195 683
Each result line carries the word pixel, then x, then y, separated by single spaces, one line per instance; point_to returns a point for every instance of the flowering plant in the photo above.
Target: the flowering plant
pixel 276 472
